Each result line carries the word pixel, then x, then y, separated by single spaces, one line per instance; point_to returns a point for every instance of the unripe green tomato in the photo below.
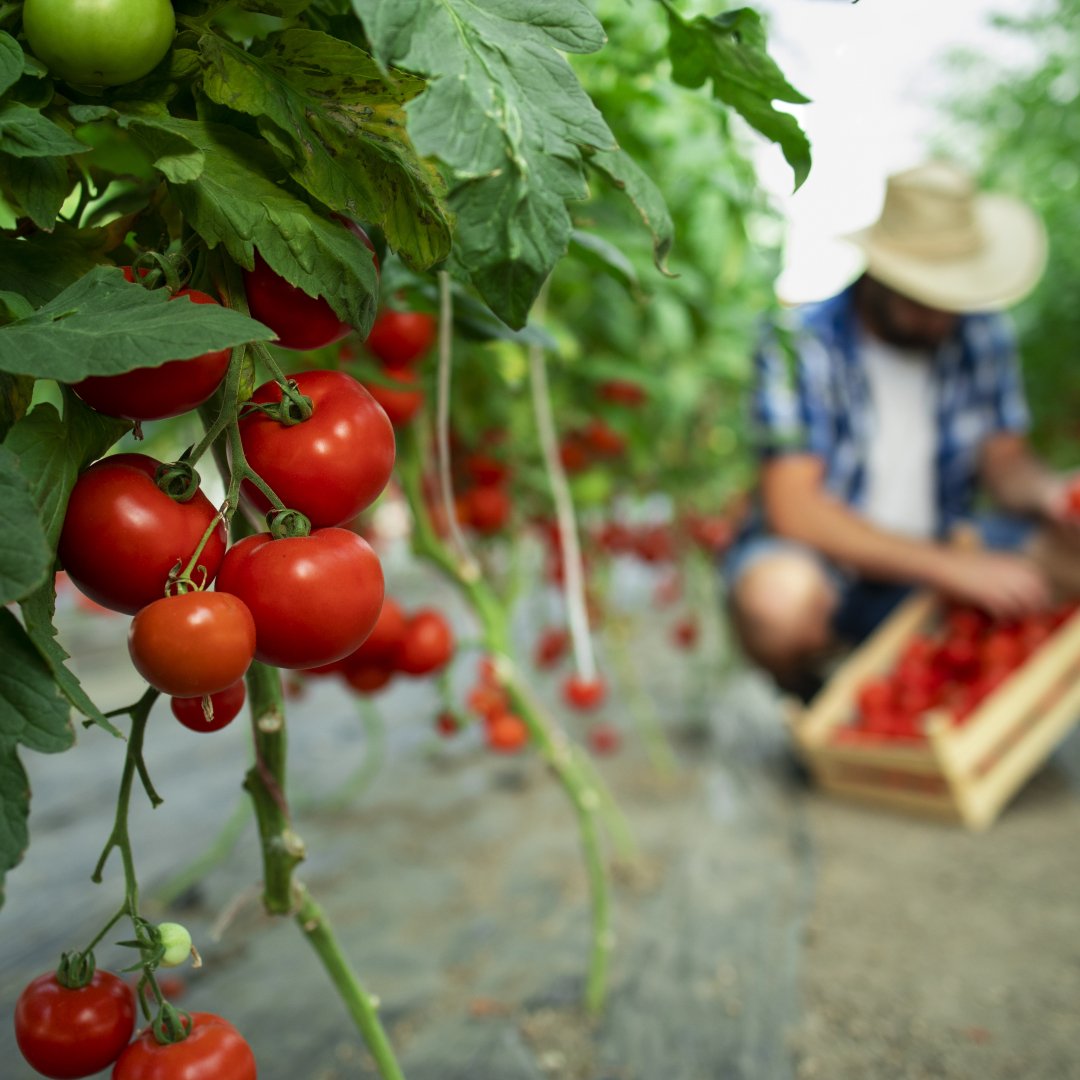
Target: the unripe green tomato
pixel 99 42
pixel 177 943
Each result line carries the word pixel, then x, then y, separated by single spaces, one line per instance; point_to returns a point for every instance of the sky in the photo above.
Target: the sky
pixel 873 70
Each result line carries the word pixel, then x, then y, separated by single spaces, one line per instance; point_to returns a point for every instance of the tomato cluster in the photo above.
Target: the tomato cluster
pixel 504 731
pixel 953 670
pixel 483 502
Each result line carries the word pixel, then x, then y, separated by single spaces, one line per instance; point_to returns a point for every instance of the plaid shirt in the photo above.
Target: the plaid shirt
pixel 823 406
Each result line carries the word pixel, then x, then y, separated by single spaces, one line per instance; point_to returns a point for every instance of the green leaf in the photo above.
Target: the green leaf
pixel 285 8
pixel 32 714
pixel 53 451
pixel 37 610
pixel 11 62
pixel 647 198
pixel 508 116
pixel 43 265
pixel 239 201
pixel 38 185
pixel 731 50
pixel 25 557
pixel 339 126
pixel 15 394
pixel 25 132
pixel 104 325
pixel 603 256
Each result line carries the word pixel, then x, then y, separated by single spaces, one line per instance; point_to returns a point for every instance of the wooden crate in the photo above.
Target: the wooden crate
pixel 964 773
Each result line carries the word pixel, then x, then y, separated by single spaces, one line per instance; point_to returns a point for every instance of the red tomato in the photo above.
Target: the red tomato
pixel 875 698
pixel 1001 649
pixel 446 723
pixel 685 633
pixel 153 393
pixel 603 439
pixel 965 622
pixel 192 644
pixel 623 392
pixel 314 598
pixel 487 701
pixel 485 470
pixel 66 1033
pixel 122 534
pixel 573 454
pixel 367 678
pixel 382 645
pixel 506 733
pixel 225 705
pixel 398 338
pixel 1072 497
pixel 300 321
pixel 550 647
pixel 486 509
pixel 581 693
pixel 428 644
pixel 398 402
pixel 330 466
pixel 604 739
pixel 213 1050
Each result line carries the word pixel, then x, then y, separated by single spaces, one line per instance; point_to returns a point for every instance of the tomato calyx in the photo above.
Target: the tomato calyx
pixel 178 479
pixel 76 969
pixel 288 524
pixel 293 408
pixel 171 1025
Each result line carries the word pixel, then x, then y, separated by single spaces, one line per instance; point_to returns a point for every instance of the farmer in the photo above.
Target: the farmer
pixel 880 417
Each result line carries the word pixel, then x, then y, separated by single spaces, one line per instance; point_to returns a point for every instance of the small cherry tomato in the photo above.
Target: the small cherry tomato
pixel 398 401
pixel 314 598
pixel 604 739
pixel 67 1033
pixel 122 534
pixel 329 466
pixel 506 733
pixel 486 509
pixel 176 941
pixel 366 678
pixel 428 644
pixel 192 644
pixel 398 338
pixel 212 1050
pixel 582 693
pixel 225 706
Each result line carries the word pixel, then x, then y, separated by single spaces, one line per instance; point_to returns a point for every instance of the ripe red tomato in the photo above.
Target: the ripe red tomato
pixel 314 598
pixel 604 439
pixel 685 632
pixel 213 1048
pixel 225 705
pixel 428 643
pixel 192 644
pixel 446 723
pixel 604 739
pixel 398 338
pixel 153 393
pixel 330 466
pixel 485 470
pixel 299 320
pixel 506 733
pixel 487 701
pixel 366 678
pixel 382 645
pixel 122 534
pixel 581 693
pixel 573 454
pixel 486 509
pixel 623 392
pixel 1072 497
pixel 66 1033
pixel 551 647
pixel 398 402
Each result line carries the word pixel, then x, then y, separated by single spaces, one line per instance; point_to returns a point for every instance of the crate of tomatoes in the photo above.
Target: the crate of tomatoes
pixel 944 711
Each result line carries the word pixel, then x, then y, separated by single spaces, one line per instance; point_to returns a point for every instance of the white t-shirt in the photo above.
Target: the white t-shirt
pixel 901 474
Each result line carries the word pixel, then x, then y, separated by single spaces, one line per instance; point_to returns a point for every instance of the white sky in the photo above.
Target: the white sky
pixel 873 70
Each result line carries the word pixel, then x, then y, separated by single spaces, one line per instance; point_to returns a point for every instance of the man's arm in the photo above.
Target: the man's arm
pixel 798 506
pixel 1018 481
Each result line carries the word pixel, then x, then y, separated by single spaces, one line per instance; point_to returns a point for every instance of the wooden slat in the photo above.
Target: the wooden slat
pixel 937 806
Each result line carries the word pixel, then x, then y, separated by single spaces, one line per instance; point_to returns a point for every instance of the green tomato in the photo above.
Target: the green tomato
pixel 176 941
pixel 99 42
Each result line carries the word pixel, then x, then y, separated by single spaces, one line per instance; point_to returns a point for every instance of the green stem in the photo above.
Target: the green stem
pixel 288 389
pixel 227 413
pixel 362 1006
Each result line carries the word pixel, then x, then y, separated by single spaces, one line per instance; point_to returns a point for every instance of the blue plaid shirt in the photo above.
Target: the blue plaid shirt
pixel 823 405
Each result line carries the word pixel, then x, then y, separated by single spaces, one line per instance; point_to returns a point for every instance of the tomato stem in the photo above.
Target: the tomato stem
pixel 298 407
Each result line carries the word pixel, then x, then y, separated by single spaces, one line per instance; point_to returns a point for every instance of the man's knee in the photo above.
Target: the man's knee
pixel 782 607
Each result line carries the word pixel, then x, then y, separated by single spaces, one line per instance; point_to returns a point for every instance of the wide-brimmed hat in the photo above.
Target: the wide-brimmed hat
pixel 942 242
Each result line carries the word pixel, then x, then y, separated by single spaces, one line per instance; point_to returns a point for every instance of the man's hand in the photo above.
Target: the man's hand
pixel 1059 504
pixel 1006 586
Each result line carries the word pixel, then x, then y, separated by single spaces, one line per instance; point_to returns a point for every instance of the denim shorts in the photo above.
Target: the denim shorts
pixel 863 603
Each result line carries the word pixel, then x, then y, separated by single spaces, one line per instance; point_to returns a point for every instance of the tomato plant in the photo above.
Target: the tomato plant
pixel 192 644
pixel 328 466
pixel 99 42
pixel 314 598
pixel 212 1047
pixel 74 1032
pixel 122 535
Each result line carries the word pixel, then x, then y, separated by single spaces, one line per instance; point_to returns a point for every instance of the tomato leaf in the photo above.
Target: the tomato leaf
pixel 603 256
pixel 730 49
pixel 15 394
pixel 629 178
pixel 507 115
pixel 103 325
pixel 32 714
pixel 25 132
pixel 239 201
pixel 37 610
pixel 37 185
pixel 339 127
pixel 53 451
pixel 25 559
pixel 11 62
pixel 45 264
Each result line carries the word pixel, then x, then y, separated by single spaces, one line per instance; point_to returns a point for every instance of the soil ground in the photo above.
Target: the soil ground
pixel 765 932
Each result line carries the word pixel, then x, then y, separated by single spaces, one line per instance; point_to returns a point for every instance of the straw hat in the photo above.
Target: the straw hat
pixel 941 242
